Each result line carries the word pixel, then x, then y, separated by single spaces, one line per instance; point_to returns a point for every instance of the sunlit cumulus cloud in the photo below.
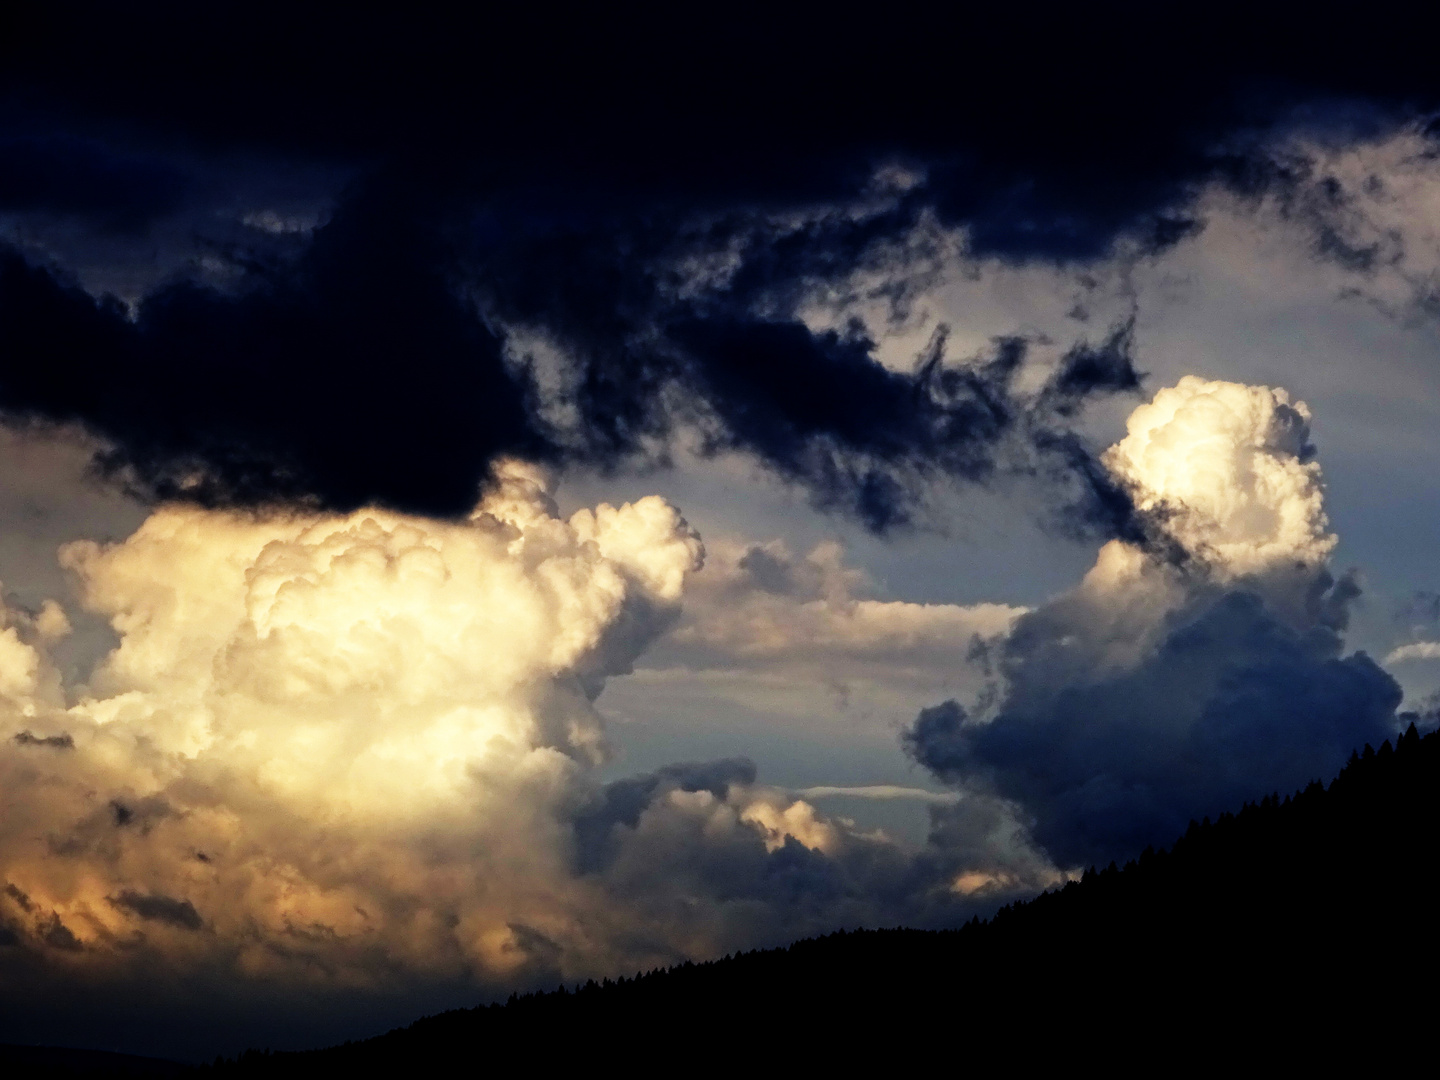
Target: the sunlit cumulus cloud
pixel 1416 650
pixel 1178 680
pixel 348 752
pixel 326 740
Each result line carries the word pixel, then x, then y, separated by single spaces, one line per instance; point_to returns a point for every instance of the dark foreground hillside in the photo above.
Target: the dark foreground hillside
pixel 1300 929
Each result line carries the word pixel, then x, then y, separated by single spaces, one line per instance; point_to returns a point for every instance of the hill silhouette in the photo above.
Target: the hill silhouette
pixel 1299 929
pixel 64 1063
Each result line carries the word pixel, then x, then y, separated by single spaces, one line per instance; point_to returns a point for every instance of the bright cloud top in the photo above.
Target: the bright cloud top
pixel 1230 470
pixel 374 660
pixel 1416 650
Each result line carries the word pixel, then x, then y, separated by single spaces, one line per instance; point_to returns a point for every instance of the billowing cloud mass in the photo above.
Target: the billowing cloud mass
pixel 1165 688
pixel 1230 473
pixel 329 746
pixel 351 753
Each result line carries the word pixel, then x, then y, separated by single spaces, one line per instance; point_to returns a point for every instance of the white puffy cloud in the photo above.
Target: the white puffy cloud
pixel 1229 470
pixel 1416 650
pixel 326 738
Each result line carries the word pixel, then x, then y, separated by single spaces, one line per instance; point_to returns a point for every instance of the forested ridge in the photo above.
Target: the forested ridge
pixel 1284 932
pixel 1277 929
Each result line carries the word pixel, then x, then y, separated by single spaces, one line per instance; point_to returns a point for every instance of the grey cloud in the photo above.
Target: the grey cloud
pixel 541 952
pixel 141 813
pixel 707 869
pixel 986 840
pixel 770 572
pixel 621 802
pixel 878 791
pixel 18 895
pixel 59 936
pixel 63 741
pixel 64 175
pixel 1231 703
pixel 1422 608
pixel 685 877
pixel 1426 715
pixel 159 908
pixel 939 740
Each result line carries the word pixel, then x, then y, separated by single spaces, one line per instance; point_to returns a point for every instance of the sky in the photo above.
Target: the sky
pixel 488 503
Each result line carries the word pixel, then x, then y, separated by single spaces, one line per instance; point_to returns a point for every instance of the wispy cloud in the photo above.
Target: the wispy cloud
pixel 1418 650
pixel 880 791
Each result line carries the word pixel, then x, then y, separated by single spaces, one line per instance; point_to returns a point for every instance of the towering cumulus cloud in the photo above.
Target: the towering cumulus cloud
pixel 325 747
pixel 1178 680
pixel 349 755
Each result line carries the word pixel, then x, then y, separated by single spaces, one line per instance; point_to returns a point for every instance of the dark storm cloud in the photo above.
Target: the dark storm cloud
pixel 1231 704
pixel 1095 501
pixel 1087 369
pixel 652 349
pixel 358 374
pixel 1051 131
pixel 819 409
pixel 556 175
pixel 372 369
pixel 60 174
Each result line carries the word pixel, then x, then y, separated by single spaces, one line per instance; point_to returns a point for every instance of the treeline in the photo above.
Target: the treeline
pixel 1292 930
